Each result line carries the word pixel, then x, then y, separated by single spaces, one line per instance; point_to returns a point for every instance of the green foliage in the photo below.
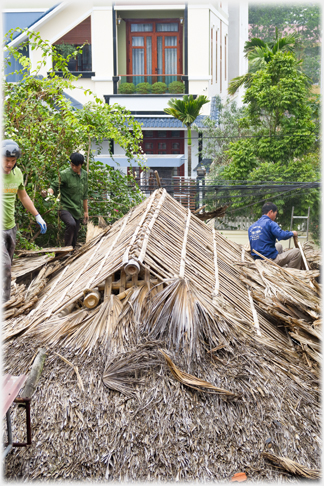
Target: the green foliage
pixel 278 113
pixel 159 88
pixel 24 244
pixel 186 109
pixel 264 19
pixel 126 88
pixel 143 88
pixel 217 135
pixel 304 169
pixel 284 147
pixel 243 159
pixel 39 117
pixel 303 19
pixel 66 50
pixel 176 87
pixel 259 54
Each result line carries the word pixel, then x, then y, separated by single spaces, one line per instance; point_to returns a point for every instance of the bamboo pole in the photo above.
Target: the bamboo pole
pixel 183 252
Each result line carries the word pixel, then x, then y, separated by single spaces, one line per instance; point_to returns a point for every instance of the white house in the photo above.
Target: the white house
pixel 194 46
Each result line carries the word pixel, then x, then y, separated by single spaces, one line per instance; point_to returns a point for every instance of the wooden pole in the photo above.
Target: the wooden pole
pixel 157 178
pixel 34 374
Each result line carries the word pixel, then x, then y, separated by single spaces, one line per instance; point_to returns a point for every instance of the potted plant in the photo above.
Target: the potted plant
pixel 126 88
pixel 143 88
pixel 159 88
pixel 176 87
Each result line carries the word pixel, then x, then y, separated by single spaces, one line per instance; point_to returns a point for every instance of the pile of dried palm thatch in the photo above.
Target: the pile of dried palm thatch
pixel 30 274
pixel 164 363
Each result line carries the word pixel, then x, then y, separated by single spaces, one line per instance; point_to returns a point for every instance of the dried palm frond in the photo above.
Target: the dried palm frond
pixel 93 231
pixel 194 382
pixel 312 254
pixel 23 266
pixel 179 316
pixel 127 330
pixel 125 372
pixel 293 466
pixel 16 296
pixel 217 213
pixel 58 250
pixel 99 326
pixel 83 328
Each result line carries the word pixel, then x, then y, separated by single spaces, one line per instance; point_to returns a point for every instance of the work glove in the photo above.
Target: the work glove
pixel 41 223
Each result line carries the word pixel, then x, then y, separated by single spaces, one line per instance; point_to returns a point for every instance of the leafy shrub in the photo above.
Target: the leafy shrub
pixel 48 130
pixel 126 88
pixel 159 88
pixel 143 88
pixel 176 87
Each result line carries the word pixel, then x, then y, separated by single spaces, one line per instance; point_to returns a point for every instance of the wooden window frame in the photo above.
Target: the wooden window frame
pixel 154 34
pixel 168 140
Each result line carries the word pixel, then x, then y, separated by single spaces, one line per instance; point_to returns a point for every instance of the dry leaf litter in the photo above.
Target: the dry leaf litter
pixel 202 364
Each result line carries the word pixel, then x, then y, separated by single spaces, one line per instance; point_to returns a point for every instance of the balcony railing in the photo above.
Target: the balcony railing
pixel 151 84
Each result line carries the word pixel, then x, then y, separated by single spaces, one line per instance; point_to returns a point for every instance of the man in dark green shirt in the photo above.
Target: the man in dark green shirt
pixel 73 186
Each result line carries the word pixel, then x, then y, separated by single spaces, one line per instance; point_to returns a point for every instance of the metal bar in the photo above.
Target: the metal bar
pixel 9 431
pixel 28 423
pixel 26 402
pixel 291 222
pixel 150 75
pixel 185 77
pixel 9 427
pixel 114 40
pixel 307 227
pixel 6 451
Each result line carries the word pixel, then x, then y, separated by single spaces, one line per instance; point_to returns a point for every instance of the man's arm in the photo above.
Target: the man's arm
pixel 27 202
pixel 85 201
pixel 29 206
pixel 54 188
pixel 281 234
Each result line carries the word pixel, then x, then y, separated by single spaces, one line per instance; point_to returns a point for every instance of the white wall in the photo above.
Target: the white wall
pixel 201 19
pixel 101 40
pixel 198 51
pixel 238 35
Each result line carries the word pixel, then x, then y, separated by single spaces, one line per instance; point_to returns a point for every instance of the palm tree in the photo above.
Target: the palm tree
pixel 259 54
pixel 186 110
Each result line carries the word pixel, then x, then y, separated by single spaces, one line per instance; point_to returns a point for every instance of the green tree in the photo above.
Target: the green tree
pixel 285 135
pixel 186 110
pixel 217 134
pixel 302 19
pixel 42 120
pixel 259 54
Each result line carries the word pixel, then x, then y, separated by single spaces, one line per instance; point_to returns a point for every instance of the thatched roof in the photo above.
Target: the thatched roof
pixel 181 371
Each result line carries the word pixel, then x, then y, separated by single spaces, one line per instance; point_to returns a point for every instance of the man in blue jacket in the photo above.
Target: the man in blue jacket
pixel 263 235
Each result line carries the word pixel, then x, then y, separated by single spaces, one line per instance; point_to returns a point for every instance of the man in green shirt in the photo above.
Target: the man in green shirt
pixel 73 186
pixel 13 185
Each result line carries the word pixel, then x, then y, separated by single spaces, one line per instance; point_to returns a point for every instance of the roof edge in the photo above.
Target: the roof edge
pixel 42 20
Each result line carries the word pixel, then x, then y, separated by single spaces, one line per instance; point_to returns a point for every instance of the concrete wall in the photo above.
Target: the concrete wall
pixel 201 18
pixel 238 35
pixel 198 49
pixel 101 40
